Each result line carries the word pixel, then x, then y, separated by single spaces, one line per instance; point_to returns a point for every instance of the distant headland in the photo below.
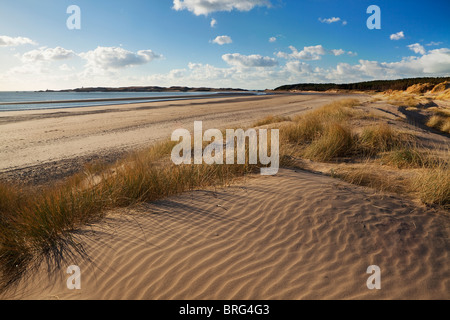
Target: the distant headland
pixel 149 89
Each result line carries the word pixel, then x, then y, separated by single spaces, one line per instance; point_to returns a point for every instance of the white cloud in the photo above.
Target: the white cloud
pixel 435 63
pixel 193 66
pixel 273 39
pixel 338 52
pixel 433 43
pixel 331 20
pixel 250 61
pixel 298 67
pixel 200 72
pixel 116 58
pixel 308 53
pixel 205 7
pixel 66 68
pixel 344 23
pixel 398 36
pixel 197 74
pixel 28 69
pixel 47 54
pixel 417 48
pixel 6 41
pixel 213 23
pixel 221 40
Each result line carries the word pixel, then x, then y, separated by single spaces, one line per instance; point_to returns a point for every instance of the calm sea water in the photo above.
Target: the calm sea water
pixel 49 98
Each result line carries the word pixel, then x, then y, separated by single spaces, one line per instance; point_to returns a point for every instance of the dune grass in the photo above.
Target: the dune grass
pixel 404 100
pixel 367 176
pixel 326 134
pixel 444 95
pixel 408 157
pixel 439 122
pixel 433 185
pixel 414 100
pixel 382 138
pixel 270 120
pixel 317 124
pixel 335 141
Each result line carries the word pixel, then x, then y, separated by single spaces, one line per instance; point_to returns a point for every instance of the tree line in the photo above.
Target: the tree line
pixel 378 85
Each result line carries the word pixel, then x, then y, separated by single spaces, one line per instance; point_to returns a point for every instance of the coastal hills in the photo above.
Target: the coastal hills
pixel 148 89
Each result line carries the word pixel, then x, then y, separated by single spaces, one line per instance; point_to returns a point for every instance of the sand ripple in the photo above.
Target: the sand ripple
pixel 294 236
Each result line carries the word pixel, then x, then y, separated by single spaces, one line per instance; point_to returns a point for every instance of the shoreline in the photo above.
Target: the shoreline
pixel 121 100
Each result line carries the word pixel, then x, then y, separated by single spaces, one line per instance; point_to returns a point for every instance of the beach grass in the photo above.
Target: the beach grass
pixel 433 185
pixel 440 122
pixel 271 120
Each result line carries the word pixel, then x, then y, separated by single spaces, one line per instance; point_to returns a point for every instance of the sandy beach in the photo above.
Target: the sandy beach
pixel 42 145
pixel 296 235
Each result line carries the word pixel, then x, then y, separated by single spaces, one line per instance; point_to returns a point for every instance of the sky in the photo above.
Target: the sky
pixel 251 44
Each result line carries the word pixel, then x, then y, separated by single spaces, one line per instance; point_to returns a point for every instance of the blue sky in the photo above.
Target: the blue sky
pixel 254 44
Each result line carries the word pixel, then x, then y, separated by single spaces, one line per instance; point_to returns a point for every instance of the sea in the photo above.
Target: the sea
pixel 27 100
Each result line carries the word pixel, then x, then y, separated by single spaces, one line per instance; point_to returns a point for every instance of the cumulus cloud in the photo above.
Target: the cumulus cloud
pixel 433 43
pixel 47 54
pixel 6 41
pixel 298 67
pixel 66 68
pixel 417 48
pixel 250 61
pixel 338 52
pixel 331 20
pixel 30 69
pixel 201 72
pixel 213 23
pixel 116 58
pixel 434 63
pixel 221 40
pixel 273 39
pixel 308 53
pixel 205 7
pixel 197 74
pixel 398 36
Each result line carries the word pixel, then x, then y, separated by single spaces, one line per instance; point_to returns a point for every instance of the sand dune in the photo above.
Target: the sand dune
pixel 297 235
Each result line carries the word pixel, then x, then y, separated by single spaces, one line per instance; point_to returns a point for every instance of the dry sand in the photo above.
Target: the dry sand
pixel 297 235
